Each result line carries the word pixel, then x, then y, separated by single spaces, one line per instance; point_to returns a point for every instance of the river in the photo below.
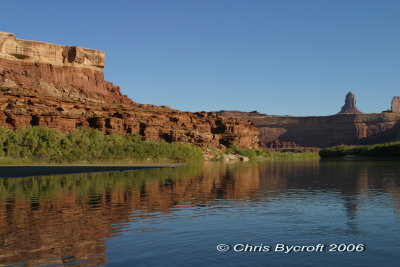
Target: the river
pixel 292 213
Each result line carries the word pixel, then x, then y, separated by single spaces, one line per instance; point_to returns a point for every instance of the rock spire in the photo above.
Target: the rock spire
pixel 395 104
pixel 350 106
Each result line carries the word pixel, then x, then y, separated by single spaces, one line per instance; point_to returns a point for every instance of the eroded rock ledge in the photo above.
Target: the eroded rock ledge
pixel 33 51
pixel 63 87
pixel 290 133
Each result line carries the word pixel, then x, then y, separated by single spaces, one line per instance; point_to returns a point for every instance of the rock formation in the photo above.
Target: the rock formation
pixel 289 133
pixel 68 72
pixel 33 51
pixel 350 106
pixel 395 104
pixel 63 87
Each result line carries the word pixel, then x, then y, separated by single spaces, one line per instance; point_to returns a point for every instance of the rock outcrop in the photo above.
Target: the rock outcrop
pixel 350 106
pixel 395 107
pixel 63 87
pixel 67 72
pixel 350 126
pixel 40 52
pixel 289 133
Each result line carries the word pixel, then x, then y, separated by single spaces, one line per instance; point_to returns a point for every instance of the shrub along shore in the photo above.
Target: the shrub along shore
pixel 380 150
pixel 261 154
pixel 87 145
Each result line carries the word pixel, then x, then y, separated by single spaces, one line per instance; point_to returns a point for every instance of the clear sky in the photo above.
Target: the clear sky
pixel 279 57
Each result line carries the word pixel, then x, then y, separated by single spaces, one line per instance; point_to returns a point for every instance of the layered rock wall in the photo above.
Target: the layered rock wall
pixel 297 133
pixel 63 87
pixel 63 82
pixel 33 51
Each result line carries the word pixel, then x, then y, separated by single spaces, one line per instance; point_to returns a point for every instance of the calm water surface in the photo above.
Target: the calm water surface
pixel 177 217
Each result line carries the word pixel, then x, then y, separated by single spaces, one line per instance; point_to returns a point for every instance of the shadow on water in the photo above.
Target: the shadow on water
pixel 66 218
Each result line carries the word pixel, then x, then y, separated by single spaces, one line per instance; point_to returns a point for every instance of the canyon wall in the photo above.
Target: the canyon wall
pixel 289 133
pixel 63 87
pixel 34 51
pixel 349 126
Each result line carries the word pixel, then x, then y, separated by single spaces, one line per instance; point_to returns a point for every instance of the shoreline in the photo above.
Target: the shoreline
pixel 20 171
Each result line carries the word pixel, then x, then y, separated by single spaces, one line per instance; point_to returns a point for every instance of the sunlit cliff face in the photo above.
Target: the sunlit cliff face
pixel 63 87
pixel 34 51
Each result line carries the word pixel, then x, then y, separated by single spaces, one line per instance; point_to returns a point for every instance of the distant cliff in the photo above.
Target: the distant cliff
pixel 291 133
pixel 63 87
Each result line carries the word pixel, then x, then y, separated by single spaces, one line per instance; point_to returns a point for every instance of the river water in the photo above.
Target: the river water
pixel 177 217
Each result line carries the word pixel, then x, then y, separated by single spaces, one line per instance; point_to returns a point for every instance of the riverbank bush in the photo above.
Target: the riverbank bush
pixel 380 150
pixel 294 155
pixel 260 154
pixel 87 145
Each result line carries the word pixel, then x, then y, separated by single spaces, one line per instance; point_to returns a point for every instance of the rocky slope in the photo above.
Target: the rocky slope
pixel 63 87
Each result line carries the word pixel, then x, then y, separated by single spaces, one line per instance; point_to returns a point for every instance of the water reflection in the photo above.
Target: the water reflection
pixel 64 219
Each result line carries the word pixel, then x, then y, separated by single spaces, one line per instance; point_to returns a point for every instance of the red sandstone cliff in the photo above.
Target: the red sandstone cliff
pixel 349 126
pixel 63 87
pixel 289 133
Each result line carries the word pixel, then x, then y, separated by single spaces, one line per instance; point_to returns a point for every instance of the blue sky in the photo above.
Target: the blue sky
pixel 279 57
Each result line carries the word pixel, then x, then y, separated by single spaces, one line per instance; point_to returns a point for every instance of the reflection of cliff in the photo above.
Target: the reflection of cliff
pixel 56 217
pixel 63 216
pixel 66 218
pixel 348 180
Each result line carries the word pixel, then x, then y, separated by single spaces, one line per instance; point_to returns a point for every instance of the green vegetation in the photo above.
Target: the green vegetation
pixel 379 150
pixel 41 144
pixel 250 153
pixel 260 154
pixel 294 155
pixel 85 145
